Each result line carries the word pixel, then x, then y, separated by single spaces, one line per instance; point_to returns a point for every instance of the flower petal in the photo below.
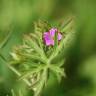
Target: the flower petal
pixel 52 31
pixel 59 36
pixel 49 42
pixel 49 36
pixel 46 36
pixel 48 39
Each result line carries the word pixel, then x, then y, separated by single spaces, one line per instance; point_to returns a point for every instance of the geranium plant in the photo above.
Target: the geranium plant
pixel 42 53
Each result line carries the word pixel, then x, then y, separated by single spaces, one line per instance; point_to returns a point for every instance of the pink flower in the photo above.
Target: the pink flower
pixel 49 36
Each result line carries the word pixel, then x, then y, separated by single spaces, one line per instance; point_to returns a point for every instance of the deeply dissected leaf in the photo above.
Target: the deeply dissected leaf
pixel 6 40
pixel 67 25
pixel 36 60
pixel 57 69
pixel 39 87
pixel 31 72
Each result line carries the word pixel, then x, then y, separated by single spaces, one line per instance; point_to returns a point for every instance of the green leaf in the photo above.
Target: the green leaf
pixel 28 40
pixel 58 49
pixel 68 23
pixel 34 57
pixel 58 76
pixel 57 70
pixel 39 87
pixel 6 40
pixel 31 72
pixel 31 43
pixel 38 38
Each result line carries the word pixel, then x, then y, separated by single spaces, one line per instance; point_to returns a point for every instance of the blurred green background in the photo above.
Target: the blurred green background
pixel 17 17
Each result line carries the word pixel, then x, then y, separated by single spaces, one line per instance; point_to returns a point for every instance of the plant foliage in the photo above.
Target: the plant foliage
pixel 35 61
